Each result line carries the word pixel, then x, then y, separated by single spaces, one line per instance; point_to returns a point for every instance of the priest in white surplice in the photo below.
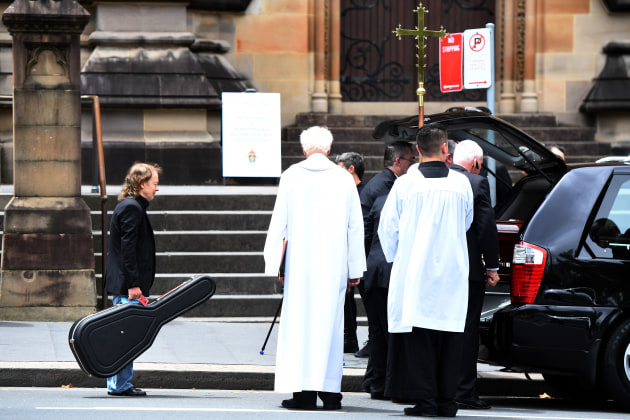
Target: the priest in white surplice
pixel 422 231
pixel 318 212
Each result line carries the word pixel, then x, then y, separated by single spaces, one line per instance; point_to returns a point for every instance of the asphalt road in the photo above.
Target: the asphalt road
pixel 82 403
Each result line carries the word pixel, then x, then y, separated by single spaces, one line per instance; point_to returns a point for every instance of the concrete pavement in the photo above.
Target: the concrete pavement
pixel 202 353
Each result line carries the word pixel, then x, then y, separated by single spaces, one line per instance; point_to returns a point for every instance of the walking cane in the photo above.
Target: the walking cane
pixel 262 350
pixel 280 276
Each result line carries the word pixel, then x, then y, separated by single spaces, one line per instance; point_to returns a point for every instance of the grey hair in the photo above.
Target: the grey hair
pixel 466 151
pixel 352 159
pixel 316 139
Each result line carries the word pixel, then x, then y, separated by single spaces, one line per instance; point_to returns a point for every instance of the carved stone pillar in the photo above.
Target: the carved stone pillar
pixel 47 248
pixel 319 98
pixel 335 105
pixel 506 73
pixel 529 96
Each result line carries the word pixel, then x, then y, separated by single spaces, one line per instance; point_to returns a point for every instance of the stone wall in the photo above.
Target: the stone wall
pixel 570 41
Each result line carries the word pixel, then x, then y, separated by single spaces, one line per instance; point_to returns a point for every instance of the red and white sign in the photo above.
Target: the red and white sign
pixel 451 53
pixel 477 59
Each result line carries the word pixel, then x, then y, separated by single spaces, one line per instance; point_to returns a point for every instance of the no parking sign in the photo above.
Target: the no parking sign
pixel 477 58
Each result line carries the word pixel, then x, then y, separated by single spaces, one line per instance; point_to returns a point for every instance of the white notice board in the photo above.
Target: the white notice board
pixel 251 134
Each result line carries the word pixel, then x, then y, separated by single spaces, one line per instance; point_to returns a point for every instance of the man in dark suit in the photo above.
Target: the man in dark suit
pixel 397 160
pixel 376 285
pixel 352 162
pixel 483 246
pixel 131 258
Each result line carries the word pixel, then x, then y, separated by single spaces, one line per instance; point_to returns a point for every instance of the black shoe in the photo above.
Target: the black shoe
pixel 350 346
pixel 294 404
pixel 331 400
pixel 473 404
pixel 379 396
pixel 365 351
pixel 131 392
pixel 332 406
pixel 417 412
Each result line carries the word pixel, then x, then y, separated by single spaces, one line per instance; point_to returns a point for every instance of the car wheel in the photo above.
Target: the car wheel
pixel 615 372
pixel 569 387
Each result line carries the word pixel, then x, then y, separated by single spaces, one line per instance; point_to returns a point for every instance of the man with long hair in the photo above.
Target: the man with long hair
pixel 131 257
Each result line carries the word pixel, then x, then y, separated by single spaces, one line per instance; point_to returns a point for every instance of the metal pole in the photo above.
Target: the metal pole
pixel 490 99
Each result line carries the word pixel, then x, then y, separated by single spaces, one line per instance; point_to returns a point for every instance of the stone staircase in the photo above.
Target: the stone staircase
pixel 209 230
pixel 354 133
pixel 220 230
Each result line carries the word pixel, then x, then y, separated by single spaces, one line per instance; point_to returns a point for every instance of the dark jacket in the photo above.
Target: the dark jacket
pixel 378 269
pixel 131 255
pixel 380 184
pixel 482 237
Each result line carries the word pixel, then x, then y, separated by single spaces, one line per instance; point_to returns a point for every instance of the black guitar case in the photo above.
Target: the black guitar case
pixel 104 342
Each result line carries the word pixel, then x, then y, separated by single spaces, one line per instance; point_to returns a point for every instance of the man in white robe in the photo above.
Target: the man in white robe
pixel 422 231
pixel 318 212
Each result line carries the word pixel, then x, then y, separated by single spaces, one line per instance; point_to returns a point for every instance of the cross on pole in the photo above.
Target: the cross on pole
pixel 420 33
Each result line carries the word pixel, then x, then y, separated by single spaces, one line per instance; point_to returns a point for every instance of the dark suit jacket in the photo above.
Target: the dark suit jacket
pixel 380 184
pixel 131 255
pixel 482 237
pixel 378 269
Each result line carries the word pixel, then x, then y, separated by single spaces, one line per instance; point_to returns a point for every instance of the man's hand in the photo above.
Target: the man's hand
pixel 353 282
pixel 134 293
pixel 492 277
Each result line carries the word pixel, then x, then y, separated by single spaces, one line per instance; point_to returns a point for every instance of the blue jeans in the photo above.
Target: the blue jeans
pixel 122 380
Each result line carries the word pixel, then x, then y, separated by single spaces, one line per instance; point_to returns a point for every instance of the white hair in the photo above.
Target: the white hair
pixel 466 151
pixel 316 139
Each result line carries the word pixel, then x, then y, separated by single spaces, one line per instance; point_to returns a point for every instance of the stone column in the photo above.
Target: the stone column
pixel 47 250
pixel 319 98
pixel 529 97
pixel 506 73
pixel 335 105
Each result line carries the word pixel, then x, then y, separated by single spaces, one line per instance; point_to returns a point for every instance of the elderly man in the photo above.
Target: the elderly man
pixel 318 213
pixel 483 258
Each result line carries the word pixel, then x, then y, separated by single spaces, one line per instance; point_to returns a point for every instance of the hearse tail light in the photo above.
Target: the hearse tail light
pixel 528 266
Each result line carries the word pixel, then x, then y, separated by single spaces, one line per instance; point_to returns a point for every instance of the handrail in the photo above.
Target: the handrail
pixel 97 144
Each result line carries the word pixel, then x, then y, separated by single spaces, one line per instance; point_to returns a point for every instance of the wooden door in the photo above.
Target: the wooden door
pixel 376 66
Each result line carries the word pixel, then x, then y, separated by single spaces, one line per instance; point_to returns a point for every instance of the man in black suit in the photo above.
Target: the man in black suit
pixel 397 160
pixel 483 246
pixel 131 257
pixel 352 162
pixel 376 285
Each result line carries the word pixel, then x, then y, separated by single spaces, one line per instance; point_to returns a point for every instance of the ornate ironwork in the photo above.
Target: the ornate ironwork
pixel 386 79
pixel 467 5
pixel 364 4
pixel 371 73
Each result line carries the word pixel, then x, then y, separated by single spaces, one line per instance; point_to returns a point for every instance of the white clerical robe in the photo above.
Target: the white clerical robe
pixel 318 210
pixel 423 231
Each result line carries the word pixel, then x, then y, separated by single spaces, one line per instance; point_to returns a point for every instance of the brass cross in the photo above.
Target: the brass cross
pixel 421 33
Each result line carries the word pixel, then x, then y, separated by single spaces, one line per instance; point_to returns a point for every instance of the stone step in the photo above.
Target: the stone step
pixel 203 262
pixel 202 240
pixel 235 306
pixel 530 120
pixel 264 200
pixel 370 147
pixel 306 120
pixel 371 163
pixel 549 135
pixel 180 220
pixel 227 283
pixel 340 134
